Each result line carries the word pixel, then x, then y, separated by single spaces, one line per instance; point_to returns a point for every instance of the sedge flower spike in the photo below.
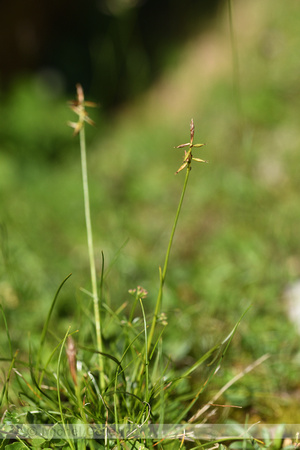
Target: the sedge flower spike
pixel 188 156
pixel 78 106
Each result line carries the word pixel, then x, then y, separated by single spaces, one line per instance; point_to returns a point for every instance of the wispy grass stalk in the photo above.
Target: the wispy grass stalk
pixel 162 273
pixel 79 108
pixel 146 353
pixel 188 157
pixel 58 390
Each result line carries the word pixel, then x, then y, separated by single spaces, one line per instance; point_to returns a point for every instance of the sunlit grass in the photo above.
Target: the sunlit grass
pixel 238 242
pixel 116 372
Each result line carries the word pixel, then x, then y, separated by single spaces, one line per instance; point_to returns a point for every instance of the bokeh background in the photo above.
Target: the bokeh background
pixel 152 66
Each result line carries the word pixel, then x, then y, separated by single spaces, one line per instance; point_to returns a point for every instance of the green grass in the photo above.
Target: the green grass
pixel 116 373
pixel 237 238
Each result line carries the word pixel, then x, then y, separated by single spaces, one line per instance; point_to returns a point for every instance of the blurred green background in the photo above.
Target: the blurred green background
pixel 152 68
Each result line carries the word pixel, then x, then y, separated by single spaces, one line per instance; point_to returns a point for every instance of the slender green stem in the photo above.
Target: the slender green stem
pixel 91 252
pixel 146 354
pixel 58 391
pixel 116 404
pixel 164 272
pixel 4 394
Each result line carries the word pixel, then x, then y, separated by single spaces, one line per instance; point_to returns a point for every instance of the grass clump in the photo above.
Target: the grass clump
pixel 109 381
pixel 245 248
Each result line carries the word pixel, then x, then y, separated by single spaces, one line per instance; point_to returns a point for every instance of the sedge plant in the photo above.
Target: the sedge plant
pixel 78 106
pixel 128 382
pixel 187 161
